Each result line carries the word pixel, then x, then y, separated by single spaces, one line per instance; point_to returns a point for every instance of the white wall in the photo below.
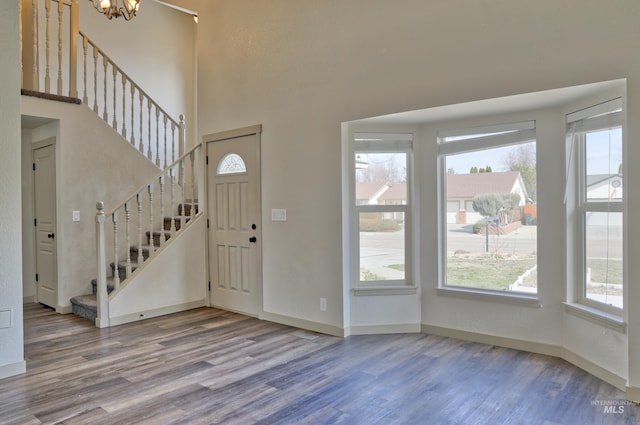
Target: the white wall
pixel 93 163
pixel 176 281
pixel 302 68
pixel 11 330
pixel 156 49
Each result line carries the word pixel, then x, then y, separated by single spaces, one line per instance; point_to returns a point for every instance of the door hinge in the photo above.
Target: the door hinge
pixel 209 286
pixel 36 277
pixel 35 222
pixel 34 166
pixel 207 223
pixel 207 159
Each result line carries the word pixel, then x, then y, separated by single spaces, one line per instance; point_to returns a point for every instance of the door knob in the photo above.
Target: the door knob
pixel 51 236
pixel 253 239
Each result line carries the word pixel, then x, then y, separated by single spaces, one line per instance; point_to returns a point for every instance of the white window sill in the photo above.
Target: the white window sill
pixel 608 320
pixel 512 298
pixel 385 290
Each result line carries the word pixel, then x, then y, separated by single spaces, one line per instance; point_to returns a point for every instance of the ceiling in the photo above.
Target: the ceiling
pixel 496 106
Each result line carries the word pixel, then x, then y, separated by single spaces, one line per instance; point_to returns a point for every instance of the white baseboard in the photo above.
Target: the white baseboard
pixel 64 309
pixel 534 347
pixel 596 370
pixel 148 314
pixel 304 324
pixel 516 344
pixel 13 369
pixel 398 328
pixel 633 394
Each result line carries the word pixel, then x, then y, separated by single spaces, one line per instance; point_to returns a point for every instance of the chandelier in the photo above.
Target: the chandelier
pixel 117 8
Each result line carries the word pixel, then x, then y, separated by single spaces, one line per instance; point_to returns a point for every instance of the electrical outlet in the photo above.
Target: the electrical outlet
pixel 323 304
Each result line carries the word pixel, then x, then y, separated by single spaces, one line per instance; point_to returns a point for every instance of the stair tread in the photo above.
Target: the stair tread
pixel 110 282
pixel 158 232
pixel 123 263
pixel 87 301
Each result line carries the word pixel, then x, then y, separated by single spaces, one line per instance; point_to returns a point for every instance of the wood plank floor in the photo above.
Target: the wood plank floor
pixel 208 366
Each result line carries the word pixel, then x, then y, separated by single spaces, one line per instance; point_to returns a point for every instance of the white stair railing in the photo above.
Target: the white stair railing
pixel 126 107
pixel 50 36
pixel 50 25
pixel 145 226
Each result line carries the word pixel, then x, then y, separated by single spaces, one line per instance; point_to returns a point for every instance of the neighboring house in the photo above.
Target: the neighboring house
pixel 376 193
pixel 462 188
pixel 369 193
pixel 603 188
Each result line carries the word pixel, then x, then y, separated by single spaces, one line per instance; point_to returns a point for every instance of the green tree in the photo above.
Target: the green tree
pixel 523 159
pixel 492 205
pixel 473 169
pixel 488 204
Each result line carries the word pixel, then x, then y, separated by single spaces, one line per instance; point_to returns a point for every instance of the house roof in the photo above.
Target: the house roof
pixel 593 179
pixel 397 191
pixel 366 190
pixel 470 185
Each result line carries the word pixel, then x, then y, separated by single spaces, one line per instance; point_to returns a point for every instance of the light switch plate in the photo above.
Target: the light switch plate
pixel 75 215
pixel 278 215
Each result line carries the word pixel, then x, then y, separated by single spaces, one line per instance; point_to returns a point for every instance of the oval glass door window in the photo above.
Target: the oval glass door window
pixel 231 163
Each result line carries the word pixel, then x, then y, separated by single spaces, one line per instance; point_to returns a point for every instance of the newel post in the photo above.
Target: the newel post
pixel 102 298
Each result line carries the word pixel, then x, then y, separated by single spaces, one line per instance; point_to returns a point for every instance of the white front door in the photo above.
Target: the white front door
pixel 44 165
pixel 235 245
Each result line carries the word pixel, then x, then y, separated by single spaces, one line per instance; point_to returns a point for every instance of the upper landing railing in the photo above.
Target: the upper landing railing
pixel 54 49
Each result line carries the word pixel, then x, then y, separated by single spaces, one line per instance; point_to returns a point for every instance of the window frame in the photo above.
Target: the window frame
pixel 452 142
pixel 600 117
pixel 384 143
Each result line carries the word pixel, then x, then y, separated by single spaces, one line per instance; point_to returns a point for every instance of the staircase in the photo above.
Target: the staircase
pixel 86 305
pixel 60 62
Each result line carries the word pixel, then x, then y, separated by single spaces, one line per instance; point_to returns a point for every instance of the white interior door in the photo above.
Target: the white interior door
pixel 235 246
pixel 45 223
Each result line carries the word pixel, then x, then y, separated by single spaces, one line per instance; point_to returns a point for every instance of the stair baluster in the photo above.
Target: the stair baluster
pixel 124 107
pixel 192 212
pixel 116 273
pixel 172 176
pixel 114 70
pixel 149 153
pixel 35 72
pixel 133 133
pixel 127 214
pixel 165 141
pixel 85 47
pixel 140 252
pixel 60 10
pixel 95 79
pixel 157 138
pixel 181 182
pixel 151 242
pixel 47 77
pixel 141 147
pixel 162 239
pixel 105 112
